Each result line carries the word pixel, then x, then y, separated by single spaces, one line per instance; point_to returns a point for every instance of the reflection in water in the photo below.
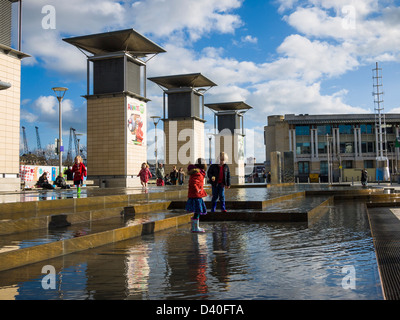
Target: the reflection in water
pixel 232 260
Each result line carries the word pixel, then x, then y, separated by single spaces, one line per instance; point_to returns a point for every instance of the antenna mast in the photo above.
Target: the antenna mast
pixel 382 164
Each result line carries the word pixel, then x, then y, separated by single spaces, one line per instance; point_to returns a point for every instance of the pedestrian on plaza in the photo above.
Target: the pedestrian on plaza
pixel 174 176
pixel 79 171
pixel 144 175
pixel 167 180
pixel 364 177
pixel 69 173
pixel 44 182
pixel 181 176
pixel 269 177
pixel 60 182
pixel 160 175
pixel 220 178
pixel 195 202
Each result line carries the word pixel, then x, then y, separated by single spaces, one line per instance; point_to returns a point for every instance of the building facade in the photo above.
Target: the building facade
pixel 10 100
pixel 340 145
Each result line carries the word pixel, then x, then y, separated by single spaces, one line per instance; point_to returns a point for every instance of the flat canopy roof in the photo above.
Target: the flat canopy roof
pixel 192 80
pixel 228 106
pixel 123 40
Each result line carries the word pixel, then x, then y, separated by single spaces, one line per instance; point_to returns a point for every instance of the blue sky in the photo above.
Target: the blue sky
pixel 281 56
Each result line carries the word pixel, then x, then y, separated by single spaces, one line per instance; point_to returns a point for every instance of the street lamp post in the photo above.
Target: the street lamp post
pixel 60 92
pixel 209 135
pixel 156 119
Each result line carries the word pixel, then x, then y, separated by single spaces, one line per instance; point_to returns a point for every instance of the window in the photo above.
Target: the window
pixel 302 130
pixel 367 147
pixel 303 167
pixel 368 163
pixel 303 148
pixel 346 147
pixel 347 164
pixel 388 128
pixel 324 130
pixel 324 167
pixel 367 128
pixel 345 129
pixel 322 147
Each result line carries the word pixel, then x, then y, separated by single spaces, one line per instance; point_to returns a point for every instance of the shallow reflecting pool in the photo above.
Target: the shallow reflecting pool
pixel 232 260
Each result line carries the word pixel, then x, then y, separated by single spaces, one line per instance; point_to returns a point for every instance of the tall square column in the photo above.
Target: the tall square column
pixel 229 135
pixel 116 105
pixel 183 118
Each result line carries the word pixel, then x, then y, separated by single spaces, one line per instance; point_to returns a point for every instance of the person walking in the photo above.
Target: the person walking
pixel 144 175
pixel 195 202
pixel 364 177
pixel 220 178
pixel 79 171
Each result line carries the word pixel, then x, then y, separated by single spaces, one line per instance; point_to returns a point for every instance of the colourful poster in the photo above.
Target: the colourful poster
pixel 136 121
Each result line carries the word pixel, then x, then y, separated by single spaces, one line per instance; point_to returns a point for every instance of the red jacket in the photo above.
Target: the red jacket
pixel 79 171
pixel 144 174
pixel 196 183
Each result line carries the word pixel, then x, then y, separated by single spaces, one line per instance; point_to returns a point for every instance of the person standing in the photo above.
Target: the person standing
pixel 220 178
pixel 160 175
pixel 181 176
pixel 69 173
pixel 195 202
pixel 173 175
pixel 79 171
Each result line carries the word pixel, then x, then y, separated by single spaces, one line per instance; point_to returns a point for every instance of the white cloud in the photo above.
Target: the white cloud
pixel 249 39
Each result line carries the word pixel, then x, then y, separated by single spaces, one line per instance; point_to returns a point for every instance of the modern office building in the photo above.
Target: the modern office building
pixel 10 101
pixel 340 144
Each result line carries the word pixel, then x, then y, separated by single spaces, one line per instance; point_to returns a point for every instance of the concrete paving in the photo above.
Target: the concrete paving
pixel 104 210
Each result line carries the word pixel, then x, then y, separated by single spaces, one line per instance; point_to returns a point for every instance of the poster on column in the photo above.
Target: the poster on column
pixel 136 115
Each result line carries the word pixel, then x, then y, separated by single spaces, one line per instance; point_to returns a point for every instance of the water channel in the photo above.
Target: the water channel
pixel 231 261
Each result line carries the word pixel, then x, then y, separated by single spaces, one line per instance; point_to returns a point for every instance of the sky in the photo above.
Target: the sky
pixel 280 57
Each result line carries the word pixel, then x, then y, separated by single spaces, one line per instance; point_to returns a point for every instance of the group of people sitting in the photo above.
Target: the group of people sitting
pixel 76 173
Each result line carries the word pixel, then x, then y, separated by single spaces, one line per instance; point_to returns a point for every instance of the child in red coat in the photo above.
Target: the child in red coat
pixel 196 193
pixel 79 171
pixel 144 174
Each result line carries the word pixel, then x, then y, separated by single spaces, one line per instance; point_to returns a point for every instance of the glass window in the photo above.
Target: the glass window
pixel 345 129
pixel 302 130
pixel 347 164
pixel 303 167
pixel 368 163
pixel 324 130
pixel 346 147
pixel 367 147
pixel 322 147
pixel 367 128
pixel 324 167
pixel 303 148
pixel 389 129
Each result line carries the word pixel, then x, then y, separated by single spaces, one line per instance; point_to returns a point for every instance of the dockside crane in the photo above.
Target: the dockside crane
pixel 26 150
pixel 39 145
pixel 72 139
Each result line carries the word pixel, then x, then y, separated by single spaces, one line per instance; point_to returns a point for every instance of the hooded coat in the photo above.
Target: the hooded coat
pixel 196 182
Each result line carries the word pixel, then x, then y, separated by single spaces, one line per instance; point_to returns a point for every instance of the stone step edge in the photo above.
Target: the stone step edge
pixel 10 226
pixel 25 256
